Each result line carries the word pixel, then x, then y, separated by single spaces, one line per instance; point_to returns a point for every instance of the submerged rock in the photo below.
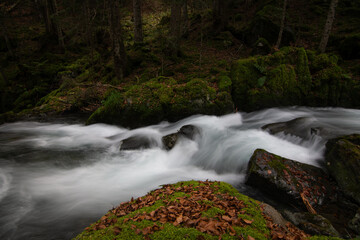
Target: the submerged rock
pixel 303 127
pixel 137 142
pixel 342 158
pixel 187 131
pixel 300 127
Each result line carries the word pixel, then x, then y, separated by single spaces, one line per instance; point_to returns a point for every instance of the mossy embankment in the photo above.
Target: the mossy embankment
pixel 162 98
pixel 291 76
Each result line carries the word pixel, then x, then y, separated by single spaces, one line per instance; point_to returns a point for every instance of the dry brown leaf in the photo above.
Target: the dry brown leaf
pixel 117 230
pixel 226 218
pixel 248 221
pixel 232 232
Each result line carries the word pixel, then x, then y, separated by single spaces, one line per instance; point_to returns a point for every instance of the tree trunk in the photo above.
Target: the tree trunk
pixel 4 76
pixel 138 33
pixel 175 27
pixel 49 12
pixel 281 26
pixel 328 26
pixel 90 14
pixel 5 35
pixel 118 48
pixel 185 17
pixel 220 13
pixel 57 25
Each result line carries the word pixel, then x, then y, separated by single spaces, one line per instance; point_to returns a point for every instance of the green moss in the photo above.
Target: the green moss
pixel 174 196
pixel 224 83
pixel 277 165
pixel 249 231
pixel 324 238
pixel 192 183
pixel 303 72
pixel 213 212
pixel 178 233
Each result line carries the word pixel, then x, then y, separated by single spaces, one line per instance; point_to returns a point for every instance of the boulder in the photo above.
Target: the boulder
pixel 187 131
pixel 137 142
pixel 304 187
pixel 289 181
pixel 313 224
pixel 342 158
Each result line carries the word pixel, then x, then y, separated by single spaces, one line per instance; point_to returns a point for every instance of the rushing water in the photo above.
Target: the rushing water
pixel 57 178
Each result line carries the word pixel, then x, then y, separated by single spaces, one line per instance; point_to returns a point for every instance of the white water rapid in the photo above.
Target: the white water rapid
pixel 57 178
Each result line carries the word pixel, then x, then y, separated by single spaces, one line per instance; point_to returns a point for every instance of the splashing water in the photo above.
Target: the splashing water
pixel 57 178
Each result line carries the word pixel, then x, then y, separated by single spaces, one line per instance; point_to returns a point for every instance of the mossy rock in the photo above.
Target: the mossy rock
pixel 159 99
pixel 291 76
pixel 188 210
pixel 224 83
pixel 343 162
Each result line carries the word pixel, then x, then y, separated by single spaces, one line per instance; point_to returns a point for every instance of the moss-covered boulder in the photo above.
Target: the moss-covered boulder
pixel 190 210
pixel 343 162
pixel 159 99
pixel 291 76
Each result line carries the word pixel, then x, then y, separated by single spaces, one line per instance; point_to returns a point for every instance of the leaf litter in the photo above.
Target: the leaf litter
pixel 187 211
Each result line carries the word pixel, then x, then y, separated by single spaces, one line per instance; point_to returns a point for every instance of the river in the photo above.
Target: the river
pixel 56 177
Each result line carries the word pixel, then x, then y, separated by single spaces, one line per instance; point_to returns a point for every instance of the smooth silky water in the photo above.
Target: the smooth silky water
pixel 57 178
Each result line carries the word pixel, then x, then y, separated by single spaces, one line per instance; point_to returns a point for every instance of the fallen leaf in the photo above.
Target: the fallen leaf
pixel 248 221
pixel 117 230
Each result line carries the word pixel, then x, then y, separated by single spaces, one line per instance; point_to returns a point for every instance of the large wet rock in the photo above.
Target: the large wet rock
pixel 187 131
pixel 304 187
pixel 290 181
pixel 343 162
